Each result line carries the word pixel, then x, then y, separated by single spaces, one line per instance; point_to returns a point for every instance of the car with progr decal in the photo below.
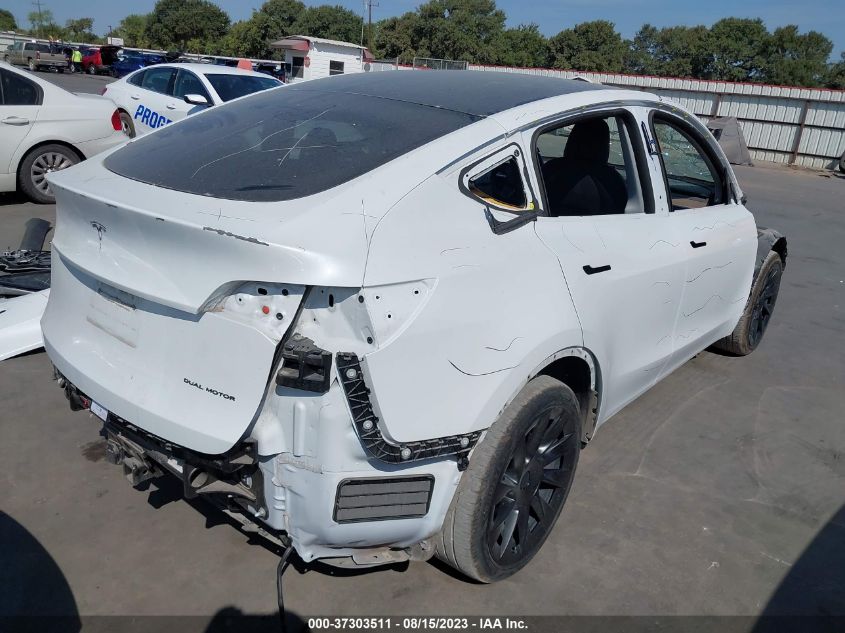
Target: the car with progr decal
pixel 44 129
pixel 153 97
pixel 376 317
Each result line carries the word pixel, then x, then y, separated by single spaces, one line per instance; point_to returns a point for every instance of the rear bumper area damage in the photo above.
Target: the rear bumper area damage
pixel 327 493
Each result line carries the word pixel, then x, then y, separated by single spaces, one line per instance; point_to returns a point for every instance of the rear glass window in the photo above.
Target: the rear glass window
pixel 282 144
pixel 233 86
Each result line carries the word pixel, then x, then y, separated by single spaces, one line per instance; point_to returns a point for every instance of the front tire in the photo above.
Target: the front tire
pixel 758 311
pixel 518 478
pixel 32 176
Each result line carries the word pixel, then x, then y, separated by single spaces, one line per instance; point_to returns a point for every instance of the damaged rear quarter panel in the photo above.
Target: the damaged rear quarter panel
pixel 497 308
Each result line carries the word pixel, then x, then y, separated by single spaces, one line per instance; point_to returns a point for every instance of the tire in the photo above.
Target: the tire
pixel 758 311
pixel 842 164
pixel 91 69
pixel 523 468
pixel 127 124
pixel 37 164
pixel 32 66
pixel 61 70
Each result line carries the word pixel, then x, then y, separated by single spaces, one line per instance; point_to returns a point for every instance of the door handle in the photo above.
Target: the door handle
pixel 171 106
pixel 136 97
pixel 695 244
pixel 598 269
pixel 15 120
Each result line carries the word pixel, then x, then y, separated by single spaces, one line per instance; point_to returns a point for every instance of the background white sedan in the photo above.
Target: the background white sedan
pixel 155 96
pixel 44 128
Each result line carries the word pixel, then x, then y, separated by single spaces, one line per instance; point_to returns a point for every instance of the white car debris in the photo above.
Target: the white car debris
pixel 376 317
pixel 152 97
pixel 44 129
pixel 20 323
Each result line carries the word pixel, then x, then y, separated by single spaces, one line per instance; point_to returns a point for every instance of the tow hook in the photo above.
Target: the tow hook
pixel 136 469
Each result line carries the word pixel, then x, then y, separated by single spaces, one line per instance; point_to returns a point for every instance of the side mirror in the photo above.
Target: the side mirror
pixel 197 100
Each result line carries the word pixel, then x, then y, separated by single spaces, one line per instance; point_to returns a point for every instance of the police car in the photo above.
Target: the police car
pixel 153 97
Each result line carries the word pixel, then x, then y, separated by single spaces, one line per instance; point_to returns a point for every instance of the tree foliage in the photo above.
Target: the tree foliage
pixel 732 49
pixel 133 30
pixel 7 21
pixel 590 46
pixel 187 25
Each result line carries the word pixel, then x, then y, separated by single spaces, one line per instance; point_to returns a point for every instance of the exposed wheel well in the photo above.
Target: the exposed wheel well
pixel 42 144
pixel 576 373
pixel 779 247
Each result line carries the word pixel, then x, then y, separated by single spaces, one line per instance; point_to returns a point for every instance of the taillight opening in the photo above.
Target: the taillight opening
pixel 103 90
pixel 116 123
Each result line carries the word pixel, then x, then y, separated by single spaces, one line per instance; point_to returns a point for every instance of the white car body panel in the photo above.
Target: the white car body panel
pixel 20 323
pixel 160 295
pixel 81 121
pixel 151 110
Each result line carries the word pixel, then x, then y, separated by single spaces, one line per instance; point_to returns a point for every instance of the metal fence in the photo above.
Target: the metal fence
pixel 797 126
pixel 439 64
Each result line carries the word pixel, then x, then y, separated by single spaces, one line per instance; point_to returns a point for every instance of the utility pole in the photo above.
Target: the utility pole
pixel 37 5
pixel 370 4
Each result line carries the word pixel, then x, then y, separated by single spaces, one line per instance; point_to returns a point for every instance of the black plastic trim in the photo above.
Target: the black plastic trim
pixel 366 424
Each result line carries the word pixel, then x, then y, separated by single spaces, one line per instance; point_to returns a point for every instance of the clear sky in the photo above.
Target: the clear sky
pixel 827 16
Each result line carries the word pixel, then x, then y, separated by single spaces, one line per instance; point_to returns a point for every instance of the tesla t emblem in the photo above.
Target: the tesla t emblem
pixel 100 230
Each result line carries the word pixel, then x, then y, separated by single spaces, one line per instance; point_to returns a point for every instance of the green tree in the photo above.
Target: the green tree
pixel 739 49
pixel 44 25
pixel 459 29
pixel 796 59
pixel 590 46
pixel 187 24
pixel 80 30
pixel 523 46
pixel 395 38
pixel 7 21
pixel 836 74
pixel 330 22
pixel 133 30
pixel 677 51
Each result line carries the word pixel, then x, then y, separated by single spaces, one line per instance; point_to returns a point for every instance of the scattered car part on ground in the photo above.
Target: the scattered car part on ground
pixel 153 97
pixel 24 291
pixel 394 339
pixel 44 129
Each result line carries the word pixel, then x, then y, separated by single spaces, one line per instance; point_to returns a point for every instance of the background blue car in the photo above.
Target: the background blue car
pixel 130 61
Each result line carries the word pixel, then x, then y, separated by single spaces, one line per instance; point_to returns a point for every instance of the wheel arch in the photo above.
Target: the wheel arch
pixel 28 150
pixel 577 368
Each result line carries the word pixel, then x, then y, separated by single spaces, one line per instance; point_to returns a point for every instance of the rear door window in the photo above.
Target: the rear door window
pixel 230 87
pixel 18 91
pixel 138 78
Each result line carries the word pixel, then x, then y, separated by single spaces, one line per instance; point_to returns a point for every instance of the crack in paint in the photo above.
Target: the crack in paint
pixel 665 242
pixel 689 281
pixel 457 248
pixel 496 349
pixel 495 371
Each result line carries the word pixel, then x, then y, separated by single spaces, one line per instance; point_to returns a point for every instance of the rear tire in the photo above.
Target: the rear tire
pixel 37 164
pixel 842 164
pixel 32 66
pixel 92 70
pixel 758 311
pixel 518 478
pixel 127 124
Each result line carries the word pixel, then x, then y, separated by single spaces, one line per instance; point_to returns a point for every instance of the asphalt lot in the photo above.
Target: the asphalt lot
pixel 719 492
